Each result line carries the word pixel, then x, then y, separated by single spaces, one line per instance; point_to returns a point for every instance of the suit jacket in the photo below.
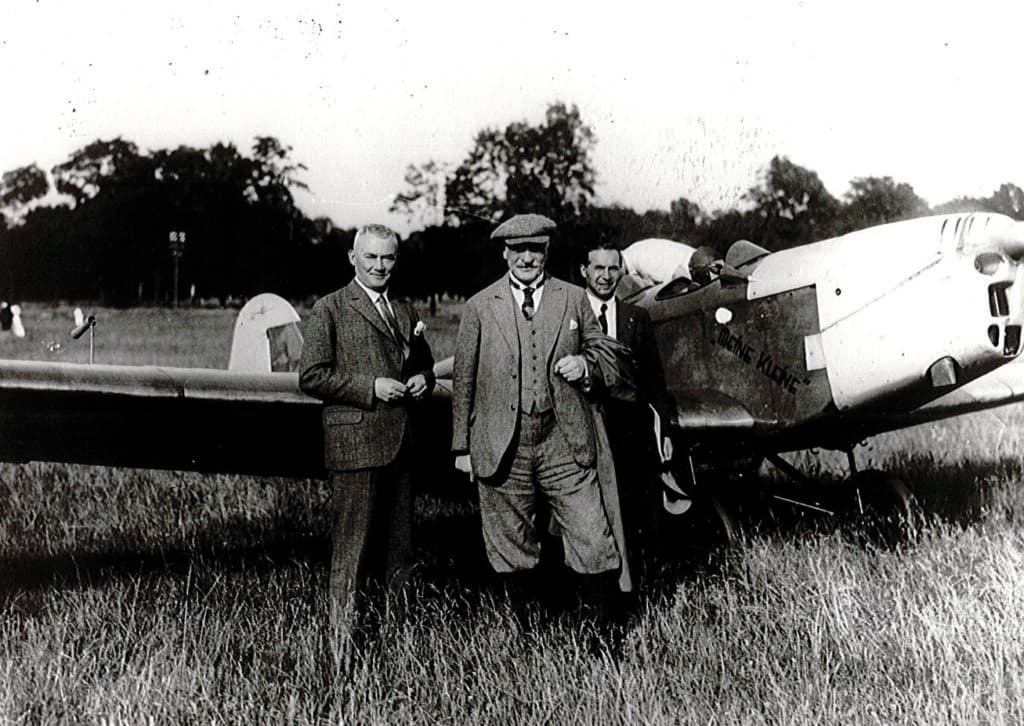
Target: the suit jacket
pixel 485 391
pixel 635 330
pixel 348 345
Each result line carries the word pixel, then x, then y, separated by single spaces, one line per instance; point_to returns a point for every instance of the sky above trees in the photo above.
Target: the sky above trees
pixel 684 100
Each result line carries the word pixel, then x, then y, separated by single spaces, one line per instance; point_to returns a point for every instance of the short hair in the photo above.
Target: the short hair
pixel 379 231
pixel 602 245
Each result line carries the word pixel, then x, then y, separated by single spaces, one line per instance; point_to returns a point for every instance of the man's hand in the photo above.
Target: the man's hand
pixel 417 386
pixel 464 464
pixel 388 389
pixel 572 368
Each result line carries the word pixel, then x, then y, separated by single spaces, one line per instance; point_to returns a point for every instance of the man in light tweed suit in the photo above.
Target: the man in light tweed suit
pixel 528 349
pixel 366 358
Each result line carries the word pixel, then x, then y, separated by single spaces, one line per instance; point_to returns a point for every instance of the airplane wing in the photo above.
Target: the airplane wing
pixel 1000 387
pixel 156 417
pixel 172 418
pixel 246 420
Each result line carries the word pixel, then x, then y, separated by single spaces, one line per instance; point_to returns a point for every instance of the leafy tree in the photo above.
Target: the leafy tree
pixel 792 206
pixel 545 169
pixel 18 189
pixel 876 200
pixel 423 200
pixel 242 225
pixel 724 227
pixel 685 218
pixel 83 175
pixel 962 205
pixel 1008 199
pixel 274 173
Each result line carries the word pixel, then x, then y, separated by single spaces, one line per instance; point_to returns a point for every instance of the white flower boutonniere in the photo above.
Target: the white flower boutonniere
pixel 420 327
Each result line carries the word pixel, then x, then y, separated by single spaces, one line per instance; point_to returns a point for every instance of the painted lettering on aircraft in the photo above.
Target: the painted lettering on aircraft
pixel 765 363
pixel 779 374
pixel 735 344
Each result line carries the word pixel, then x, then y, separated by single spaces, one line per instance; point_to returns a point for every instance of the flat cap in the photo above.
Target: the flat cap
pixel 525 228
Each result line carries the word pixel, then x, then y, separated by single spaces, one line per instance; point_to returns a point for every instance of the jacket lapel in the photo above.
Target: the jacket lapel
pixel 404 321
pixel 551 314
pixel 359 300
pixel 502 306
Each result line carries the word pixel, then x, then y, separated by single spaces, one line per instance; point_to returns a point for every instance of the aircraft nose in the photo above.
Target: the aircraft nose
pixel 1005 299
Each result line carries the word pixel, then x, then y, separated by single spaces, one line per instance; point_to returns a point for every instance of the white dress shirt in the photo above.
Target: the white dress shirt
pixel 374 295
pixel 596 303
pixel 517 290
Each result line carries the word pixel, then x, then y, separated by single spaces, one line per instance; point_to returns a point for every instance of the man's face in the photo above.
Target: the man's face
pixel 526 259
pixel 602 272
pixel 373 259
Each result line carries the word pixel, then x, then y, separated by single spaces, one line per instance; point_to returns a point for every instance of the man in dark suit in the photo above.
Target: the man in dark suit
pixel 366 358
pixel 528 349
pixel 631 412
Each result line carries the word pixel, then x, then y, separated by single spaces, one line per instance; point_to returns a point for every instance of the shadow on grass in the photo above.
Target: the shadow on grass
pixel 449 549
pixel 963 494
pixel 93 568
pixel 448 552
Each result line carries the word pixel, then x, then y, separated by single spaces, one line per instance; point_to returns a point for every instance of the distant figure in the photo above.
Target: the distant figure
pixel 6 317
pixel 15 322
pixel 366 358
pixel 16 327
pixel 79 316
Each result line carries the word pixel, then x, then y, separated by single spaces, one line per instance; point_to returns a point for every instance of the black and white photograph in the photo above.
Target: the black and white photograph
pixel 524 363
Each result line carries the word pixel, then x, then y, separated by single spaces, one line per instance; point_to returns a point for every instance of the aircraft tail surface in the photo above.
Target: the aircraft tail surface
pixel 266 337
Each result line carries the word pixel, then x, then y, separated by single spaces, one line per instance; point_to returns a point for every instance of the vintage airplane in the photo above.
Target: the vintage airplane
pixel 825 345
pixel 819 346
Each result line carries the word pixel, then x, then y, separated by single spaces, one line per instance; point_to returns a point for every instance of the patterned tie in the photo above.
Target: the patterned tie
pixel 603 319
pixel 389 318
pixel 528 307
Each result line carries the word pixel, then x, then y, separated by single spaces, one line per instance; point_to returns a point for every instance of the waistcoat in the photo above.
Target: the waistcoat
pixel 534 391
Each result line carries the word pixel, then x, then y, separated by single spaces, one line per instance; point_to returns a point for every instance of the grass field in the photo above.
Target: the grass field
pixel 137 597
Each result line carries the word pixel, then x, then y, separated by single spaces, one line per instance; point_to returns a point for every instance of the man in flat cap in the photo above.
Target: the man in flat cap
pixel 529 349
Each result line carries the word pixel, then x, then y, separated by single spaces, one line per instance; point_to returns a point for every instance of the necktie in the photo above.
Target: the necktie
pixel 389 318
pixel 528 308
pixel 603 319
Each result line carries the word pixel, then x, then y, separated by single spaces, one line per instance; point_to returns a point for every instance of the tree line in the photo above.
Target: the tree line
pixel 121 226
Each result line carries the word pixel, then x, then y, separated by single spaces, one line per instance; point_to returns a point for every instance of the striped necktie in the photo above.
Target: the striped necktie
pixel 529 306
pixel 389 318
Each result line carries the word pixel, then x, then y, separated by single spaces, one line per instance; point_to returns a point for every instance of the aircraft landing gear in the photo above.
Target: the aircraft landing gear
pixel 709 520
pixel 714 522
pixel 873 505
pixel 883 509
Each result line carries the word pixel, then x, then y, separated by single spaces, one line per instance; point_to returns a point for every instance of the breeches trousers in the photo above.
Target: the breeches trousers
pixel 543 466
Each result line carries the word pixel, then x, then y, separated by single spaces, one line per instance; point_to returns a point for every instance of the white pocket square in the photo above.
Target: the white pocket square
pixel 572 324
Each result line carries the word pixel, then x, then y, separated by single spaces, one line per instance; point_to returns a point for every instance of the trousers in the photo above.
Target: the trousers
pixel 542 465
pixel 372 544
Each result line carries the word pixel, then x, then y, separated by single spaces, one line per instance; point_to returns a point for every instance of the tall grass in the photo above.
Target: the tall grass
pixel 162 597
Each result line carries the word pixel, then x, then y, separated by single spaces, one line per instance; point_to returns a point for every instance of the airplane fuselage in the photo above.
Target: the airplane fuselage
pixel 824 344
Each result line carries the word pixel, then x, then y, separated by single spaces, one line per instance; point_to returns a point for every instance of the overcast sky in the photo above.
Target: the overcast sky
pixel 685 99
